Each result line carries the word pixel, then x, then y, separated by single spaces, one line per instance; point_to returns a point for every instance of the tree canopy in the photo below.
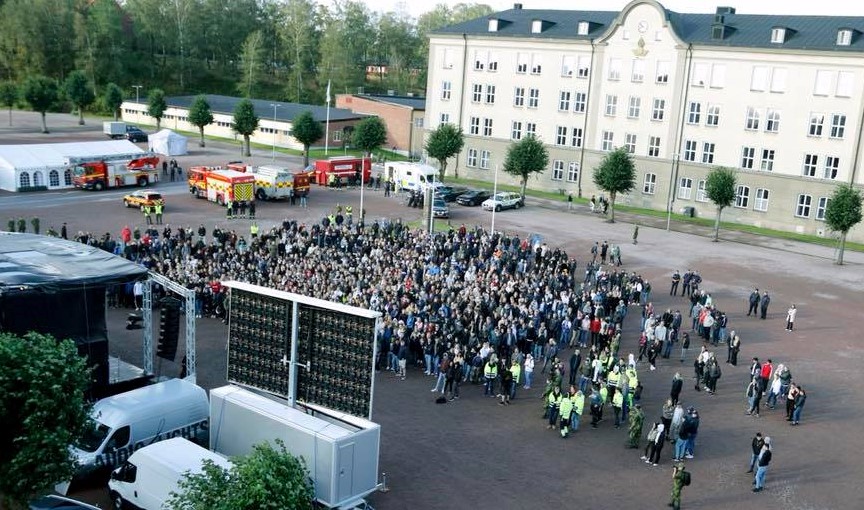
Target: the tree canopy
pixel 80 91
pixel 720 189
pixel 43 410
pixel 443 143
pixel 112 99
pixel 8 96
pixel 200 116
pixel 616 174
pixel 842 213
pixel 267 478
pixel 245 122
pixel 41 93
pixel 156 106
pixel 369 134
pixel 525 157
pixel 306 130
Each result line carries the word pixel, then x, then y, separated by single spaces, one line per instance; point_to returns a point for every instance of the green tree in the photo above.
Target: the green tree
pixel 200 115
pixel 842 213
pixel 8 96
pixel 156 106
pixel 267 478
pixel 720 189
pixel 526 157
pixel 43 410
pixel 346 45
pixel 306 130
pixel 80 92
pixel 113 99
pixel 616 174
pixel 301 37
pixel 251 62
pixel 369 134
pixel 443 143
pixel 245 122
pixel 40 92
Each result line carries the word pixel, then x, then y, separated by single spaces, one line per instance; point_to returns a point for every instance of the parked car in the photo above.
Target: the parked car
pixel 134 134
pixel 503 200
pixel 440 209
pixel 53 502
pixel 141 198
pixel 450 193
pixel 473 197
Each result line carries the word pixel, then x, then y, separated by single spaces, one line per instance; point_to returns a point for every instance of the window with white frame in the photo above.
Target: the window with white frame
pixel 772 121
pixel 761 200
pixel 493 62
pixel 53 178
pixel 838 125
pixel 701 192
pixel 778 80
pixel 530 129
pixel 637 73
pixel 337 135
pixel 708 153
pixel 694 113
pixel 576 137
pixel 561 135
pixel 477 93
pixel 446 90
pixel 748 157
pixel 516 130
pixel 522 60
pixel 607 141
pixel 630 142
pixel 663 69
pixel 817 120
pixel 615 65
pixel 767 162
pixel 24 180
pixel 67 177
pixel 685 188
pixel 658 110
pixel 474 126
pixel 699 76
pixel 573 171
pixel 557 170
pixel 634 106
pixel 487 127
pixel 519 96
pixel 568 65
pixel 778 35
pixel 712 117
pixel 822 85
pixel 480 59
pixel 845 84
pixel 490 94
pixel 802 209
pixel 583 66
pixel 533 98
pixel 844 37
pixel 582 28
pixel 759 78
pixel 654 146
pixel 690 150
pixel 649 184
pixel 742 196
pixel 485 156
pixel 580 100
pixel 471 160
pixel 718 76
pixel 611 105
pixel 564 101
pixel 821 207
pixel 832 167
pixel 536 64
pixel 811 163
pixel 444 118
pixel 752 122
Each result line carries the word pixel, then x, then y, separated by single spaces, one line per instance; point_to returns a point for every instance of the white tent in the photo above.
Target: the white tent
pixel 168 143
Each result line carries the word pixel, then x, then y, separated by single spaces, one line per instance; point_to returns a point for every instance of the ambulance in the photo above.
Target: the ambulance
pixel 275 182
pixel 411 176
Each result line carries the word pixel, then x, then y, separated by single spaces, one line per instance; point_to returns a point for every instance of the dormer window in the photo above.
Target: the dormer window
pixel 844 37
pixel 778 35
pixel 493 24
pixel 582 28
pixel 537 26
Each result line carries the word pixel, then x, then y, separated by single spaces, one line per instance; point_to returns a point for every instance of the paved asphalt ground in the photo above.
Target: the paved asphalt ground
pixel 475 453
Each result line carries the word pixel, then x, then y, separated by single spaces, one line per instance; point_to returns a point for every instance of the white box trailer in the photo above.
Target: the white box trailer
pixel 341 451
pixel 114 130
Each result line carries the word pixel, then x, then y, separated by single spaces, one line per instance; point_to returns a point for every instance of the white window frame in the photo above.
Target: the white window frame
pixel 576 137
pixel 844 37
pixel 558 170
pixel 742 196
pixel 487 127
pixel 533 98
pixel 485 158
pixel 803 205
pixel 658 109
pixel 530 129
pixel 694 112
pixel 838 126
pixel 810 165
pixel 760 201
pixel 817 124
pixel 649 183
pixel 654 144
pixel 701 193
pixel 446 90
pixel 611 105
pixel 751 122
pixel 845 84
pixel 832 167
pixel 607 141
pixel 634 107
pixel 568 64
pixel 718 76
pixel 772 121
pixel 766 162
pixel 564 100
pixel 778 35
pixel 637 72
pixel 536 64
pixel 759 78
pixel 490 94
pixel 583 66
pixel 664 67
pixel 580 102
pixel 778 80
pixel 476 93
pixel 471 158
pixel 748 157
pixel 630 142
pixel 573 171
pixel 822 83
pixel 690 147
pixel 821 207
pixel 699 76
pixel 444 118
pixel 685 188
pixel 708 149
pixel 614 73
pixel 519 96
pixel 561 136
pixel 712 115
pixel 516 130
pixel 474 126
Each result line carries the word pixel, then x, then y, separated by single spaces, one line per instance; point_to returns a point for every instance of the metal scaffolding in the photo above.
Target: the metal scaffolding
pixel 189 295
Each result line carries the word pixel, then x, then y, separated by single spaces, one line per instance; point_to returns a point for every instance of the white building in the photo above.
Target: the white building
pixel 779 98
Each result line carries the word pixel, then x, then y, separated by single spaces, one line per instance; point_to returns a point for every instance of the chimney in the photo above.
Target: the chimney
pixel 725 10
pixel 517 7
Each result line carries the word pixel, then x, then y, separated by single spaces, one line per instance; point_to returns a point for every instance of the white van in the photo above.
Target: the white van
pixel 411 176
pixel 129 421
pixel 152 473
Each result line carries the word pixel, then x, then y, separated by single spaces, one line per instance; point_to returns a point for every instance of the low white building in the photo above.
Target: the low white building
pixel 43 166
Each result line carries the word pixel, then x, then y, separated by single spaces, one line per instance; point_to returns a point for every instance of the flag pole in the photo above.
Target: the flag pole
pixel 327 123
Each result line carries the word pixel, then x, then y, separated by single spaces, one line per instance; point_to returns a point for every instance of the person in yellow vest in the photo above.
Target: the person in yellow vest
pixel 490 373
pixel 349 212
pixel 229 210
pixel 331 180
pixel 158 206
pixel 578 399
pixel 612 381
pixel 332 219
pixel 604 398
pixel 565 407
pixel 253 230
pixel 148 220
pixel 516 370
pixel 553 403
pixel 617 404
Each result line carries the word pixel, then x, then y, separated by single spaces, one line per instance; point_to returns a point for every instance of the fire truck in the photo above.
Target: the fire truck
pixel 218 184
pixel 344 169
pixel 101 173
pixel 275 182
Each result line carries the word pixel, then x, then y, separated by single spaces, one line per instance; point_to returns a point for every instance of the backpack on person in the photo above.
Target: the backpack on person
pixel 685 477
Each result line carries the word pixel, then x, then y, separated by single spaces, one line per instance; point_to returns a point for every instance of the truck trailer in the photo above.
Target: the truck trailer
pixel 342 170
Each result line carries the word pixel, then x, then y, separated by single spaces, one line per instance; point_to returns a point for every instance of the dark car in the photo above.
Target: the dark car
pixel 450 193
pixel 473 197
pixel 134 134
pixel 59 503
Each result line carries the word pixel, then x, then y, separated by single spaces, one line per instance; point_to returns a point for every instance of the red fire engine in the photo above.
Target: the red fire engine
pixel 343 169
pixel 220 185
pixel 101 173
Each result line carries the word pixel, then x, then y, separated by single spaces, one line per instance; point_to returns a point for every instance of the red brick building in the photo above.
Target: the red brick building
pixel 403 116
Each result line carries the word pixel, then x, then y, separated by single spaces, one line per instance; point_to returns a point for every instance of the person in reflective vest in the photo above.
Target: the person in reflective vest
pixel 253 230
pixel 565 408
pixel 553 402
pixel 516 370
pixel 158 206
pixel 490 373
pixel 578 399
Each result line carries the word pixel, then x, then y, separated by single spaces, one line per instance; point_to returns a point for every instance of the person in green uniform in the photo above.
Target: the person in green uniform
pixel 678 482
pixel 637 418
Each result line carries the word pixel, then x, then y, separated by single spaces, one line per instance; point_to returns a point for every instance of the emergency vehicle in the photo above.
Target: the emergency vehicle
pixel 98 174
pixel 221 185
pixel 411 176
pixel 275 182
pixel 344 169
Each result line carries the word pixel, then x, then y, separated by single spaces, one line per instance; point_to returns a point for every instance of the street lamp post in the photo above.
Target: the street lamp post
pixel 137 100
pixel 275 106
pixel 673 178
pixel 494 192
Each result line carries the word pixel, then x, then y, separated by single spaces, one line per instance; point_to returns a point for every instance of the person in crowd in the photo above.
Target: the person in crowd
pixel 762 462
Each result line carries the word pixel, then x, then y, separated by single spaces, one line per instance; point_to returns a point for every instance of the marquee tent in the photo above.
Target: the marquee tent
pixel 168 143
